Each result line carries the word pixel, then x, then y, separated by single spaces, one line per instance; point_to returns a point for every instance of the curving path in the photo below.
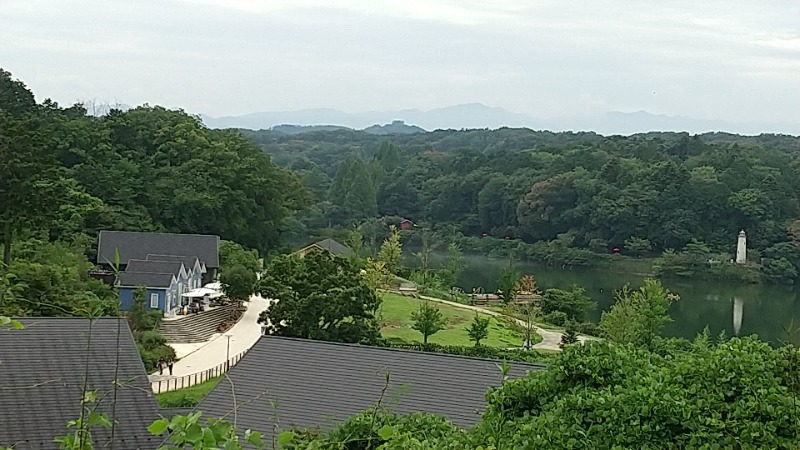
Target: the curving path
pixel 244 334
pixel 550 339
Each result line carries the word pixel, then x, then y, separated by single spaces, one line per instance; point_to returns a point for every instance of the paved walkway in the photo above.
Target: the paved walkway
pixel 212 353
pixel 550 339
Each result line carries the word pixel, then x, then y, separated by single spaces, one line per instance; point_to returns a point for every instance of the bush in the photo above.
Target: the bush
pixel 574 302
pixel 570 336
pixel 152 348
pixel 588 328
pixel 530 356
pixel 365 428
pixel 557 318
pixel 151 340
pixel 736 394
pixel 150 358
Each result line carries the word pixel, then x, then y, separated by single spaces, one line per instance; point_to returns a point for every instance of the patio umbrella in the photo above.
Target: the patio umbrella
pixel 199 292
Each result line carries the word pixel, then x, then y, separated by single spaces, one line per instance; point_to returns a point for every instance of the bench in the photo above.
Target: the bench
pixel 408 289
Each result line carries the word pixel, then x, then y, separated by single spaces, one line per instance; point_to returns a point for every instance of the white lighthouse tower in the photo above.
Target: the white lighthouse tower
pixel 741 248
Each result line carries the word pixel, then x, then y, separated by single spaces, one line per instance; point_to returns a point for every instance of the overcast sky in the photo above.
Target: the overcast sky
pixel 716 59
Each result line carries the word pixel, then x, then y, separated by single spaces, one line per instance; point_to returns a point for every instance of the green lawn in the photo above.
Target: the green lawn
pixel 395 318
pixel 186 397
pixel 536 321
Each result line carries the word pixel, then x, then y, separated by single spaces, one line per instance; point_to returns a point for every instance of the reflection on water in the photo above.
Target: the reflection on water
pixel 738 309
pixel 770 309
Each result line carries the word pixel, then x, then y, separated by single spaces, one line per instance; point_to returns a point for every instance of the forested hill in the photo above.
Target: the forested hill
pixel 595 191
pixel 65 175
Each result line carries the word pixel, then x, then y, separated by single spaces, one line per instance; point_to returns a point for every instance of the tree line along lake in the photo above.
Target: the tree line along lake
pixel 738 309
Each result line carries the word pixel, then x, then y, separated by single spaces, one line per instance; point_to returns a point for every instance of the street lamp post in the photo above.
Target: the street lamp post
pixel 228 353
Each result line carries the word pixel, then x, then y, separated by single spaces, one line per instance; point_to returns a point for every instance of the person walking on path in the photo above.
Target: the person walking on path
pixel 171 363
pixel 161 367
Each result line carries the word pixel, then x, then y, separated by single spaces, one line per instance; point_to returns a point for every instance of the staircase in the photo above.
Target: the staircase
pixel 195 328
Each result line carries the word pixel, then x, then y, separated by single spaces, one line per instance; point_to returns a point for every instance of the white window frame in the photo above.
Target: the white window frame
pixel 153 301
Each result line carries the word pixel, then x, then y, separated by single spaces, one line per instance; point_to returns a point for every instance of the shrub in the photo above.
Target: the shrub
pixel 734 394
pixel 574 302
pixel 588 328
pixel 557 318
pixel 530 356
pixel 152 348
pixel 570 336
pixel 151 340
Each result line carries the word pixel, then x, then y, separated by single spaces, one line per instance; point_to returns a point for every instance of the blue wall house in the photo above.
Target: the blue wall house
pixel 161 246
pixel 167 265
pixel 194 268
pixel 162 293
pixel 161 290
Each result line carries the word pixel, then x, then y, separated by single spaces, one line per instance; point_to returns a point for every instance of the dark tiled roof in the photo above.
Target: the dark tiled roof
pixel 41 383
pixel 146 279
pixel 143 265
pixel 334 247
pixel 321 383
pixel 188 261
pixel 135 245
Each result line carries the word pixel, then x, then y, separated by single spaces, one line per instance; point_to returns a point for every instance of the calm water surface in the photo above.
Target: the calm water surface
pixel 739 309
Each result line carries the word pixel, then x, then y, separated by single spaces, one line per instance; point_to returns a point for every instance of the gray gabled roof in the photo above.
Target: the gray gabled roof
pixel 334 247
pixel 143 265
pixel 136 245
pixel 146 279
pixel 188 261
pixel 41 383
pixel 319 383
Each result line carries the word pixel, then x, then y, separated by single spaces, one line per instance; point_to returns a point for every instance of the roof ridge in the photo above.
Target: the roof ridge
pixel 158 232
pixel 154 260
pixel 66 317
pixel 394 349
pixel 149 273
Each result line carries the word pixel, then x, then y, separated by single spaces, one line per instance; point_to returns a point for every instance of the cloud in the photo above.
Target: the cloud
pixel 715 59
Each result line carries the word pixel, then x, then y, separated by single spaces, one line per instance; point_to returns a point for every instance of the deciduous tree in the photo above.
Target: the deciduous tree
pixel 479 328
pixel 391 252
pixel 638 316
pixel 428 320
pixel 319 296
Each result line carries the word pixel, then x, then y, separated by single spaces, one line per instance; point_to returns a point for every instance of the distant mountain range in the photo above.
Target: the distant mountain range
pixel 476 115
pixel 472 115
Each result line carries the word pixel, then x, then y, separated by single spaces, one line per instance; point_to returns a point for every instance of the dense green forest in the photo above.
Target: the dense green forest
pixel 642 194
pixel 65 175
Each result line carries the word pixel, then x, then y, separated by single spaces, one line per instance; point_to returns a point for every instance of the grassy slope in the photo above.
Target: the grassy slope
pixel 186 397
pixel 396 323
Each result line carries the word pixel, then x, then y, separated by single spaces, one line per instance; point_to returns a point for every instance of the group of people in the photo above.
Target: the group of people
pixel 163 364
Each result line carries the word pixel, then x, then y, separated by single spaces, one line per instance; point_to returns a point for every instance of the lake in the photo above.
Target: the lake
pixel 739 309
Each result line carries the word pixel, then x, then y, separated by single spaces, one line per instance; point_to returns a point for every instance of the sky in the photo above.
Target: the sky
pixel 715 59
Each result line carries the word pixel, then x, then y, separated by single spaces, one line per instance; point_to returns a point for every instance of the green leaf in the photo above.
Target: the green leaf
pixel 90 397
pixel 285 437
pixel 194 433
pixel 232 444
pixel 98 419
pixel 16 324
pixel 386 432
pixel 158 427
pixel 208 437
pixel 254 438
pixel 178 423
